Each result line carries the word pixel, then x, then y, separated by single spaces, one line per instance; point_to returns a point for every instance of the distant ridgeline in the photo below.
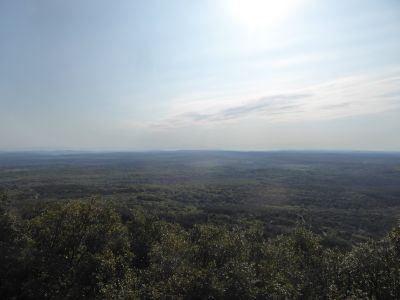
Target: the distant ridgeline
pixel 104 250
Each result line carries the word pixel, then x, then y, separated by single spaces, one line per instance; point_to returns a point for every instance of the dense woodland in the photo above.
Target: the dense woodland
pixel 200 226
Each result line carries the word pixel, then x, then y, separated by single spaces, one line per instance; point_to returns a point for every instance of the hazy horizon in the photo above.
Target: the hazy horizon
pixel 241 75
pixel 144 151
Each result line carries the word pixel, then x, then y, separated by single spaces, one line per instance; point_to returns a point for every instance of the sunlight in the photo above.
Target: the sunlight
pixel 256 15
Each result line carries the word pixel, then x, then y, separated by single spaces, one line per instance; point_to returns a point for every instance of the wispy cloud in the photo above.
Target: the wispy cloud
pixel 349 96
pixel 300 59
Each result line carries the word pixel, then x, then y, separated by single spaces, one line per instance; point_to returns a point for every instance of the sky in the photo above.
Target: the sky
pixel 200 74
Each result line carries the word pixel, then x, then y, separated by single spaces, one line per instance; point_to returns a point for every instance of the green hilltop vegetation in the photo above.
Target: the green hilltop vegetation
pixel 200 225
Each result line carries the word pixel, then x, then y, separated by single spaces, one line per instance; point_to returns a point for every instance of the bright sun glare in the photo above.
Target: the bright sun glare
pixel 256 15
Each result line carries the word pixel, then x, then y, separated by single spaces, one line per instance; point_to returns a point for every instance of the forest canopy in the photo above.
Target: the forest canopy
pixel 101 250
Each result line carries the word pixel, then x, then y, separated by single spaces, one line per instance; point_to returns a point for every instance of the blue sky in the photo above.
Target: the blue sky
pixel 228 74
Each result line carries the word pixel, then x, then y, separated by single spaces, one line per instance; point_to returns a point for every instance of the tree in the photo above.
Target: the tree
pixel 372 269
pixel 78 251
pixel 12 254
pixel 293 267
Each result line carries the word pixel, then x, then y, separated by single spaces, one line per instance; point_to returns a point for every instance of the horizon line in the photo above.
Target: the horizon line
pixel 105 151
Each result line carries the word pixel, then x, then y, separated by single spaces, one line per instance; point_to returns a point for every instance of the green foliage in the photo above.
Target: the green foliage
pixel 206 261
pixel 77 249
pixel 345 197
pixel 94 250
pixel 292 266
pixel 12 251
pixel 143 232
pixel 373 269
